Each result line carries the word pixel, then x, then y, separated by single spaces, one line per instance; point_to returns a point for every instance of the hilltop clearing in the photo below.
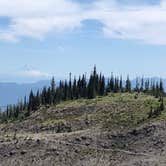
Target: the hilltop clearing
pixel 106 131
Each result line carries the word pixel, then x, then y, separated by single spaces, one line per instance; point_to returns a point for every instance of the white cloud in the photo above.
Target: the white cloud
pixel 34 73
pixel 35 19
pixel 144 23
pixel 28 71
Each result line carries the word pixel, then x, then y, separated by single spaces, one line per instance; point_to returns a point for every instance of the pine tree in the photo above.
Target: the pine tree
pixel 96 82
pixel 74 89
pixel 102 86
pixel 116 85
pixel 31 101
pixel 161 87
pixel 16 112
pixel 84 86
pixel 162 107
pixel 153 89
pixel 44 96
pixel 121 84
pixel 66 91
pixel 25 103
pixel 60 95
pixel 79 87
pixel 70 95
pixel 53 91
pixel 91 88
pixel 137 85
pixel 128 85
pixel 147 86
pixel 157 90
pixel 37 99
pixel 142 85
pixel 112 82
pixel 49 96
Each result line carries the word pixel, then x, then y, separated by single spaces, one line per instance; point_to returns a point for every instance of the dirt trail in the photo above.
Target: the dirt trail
pixel 60 138
pixel 66 148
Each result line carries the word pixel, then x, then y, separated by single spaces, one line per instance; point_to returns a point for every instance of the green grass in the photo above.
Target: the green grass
pixel 112 97
pixel 126 110
pixel 51 121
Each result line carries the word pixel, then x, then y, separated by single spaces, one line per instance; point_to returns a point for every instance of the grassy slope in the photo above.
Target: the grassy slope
pixel 109 112
pixel 113 110
pixel 115 144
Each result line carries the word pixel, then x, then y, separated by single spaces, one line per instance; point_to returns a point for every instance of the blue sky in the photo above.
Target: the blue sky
pixel 54 37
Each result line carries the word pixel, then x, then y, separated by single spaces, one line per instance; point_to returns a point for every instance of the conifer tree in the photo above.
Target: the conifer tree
pixel 128 85
pixel 75 94
pixel 147 86
pixel 112 82
pixel 121 84
pixel 49 96
pixel 142 85
pixel 84 86
pixel 25 103
pixel 102 86
pixel 162 107
pixel 116 85
pixel 70 95
pixel 153 89
pixel 31 101
pixel 65 91
pixel 53 91
pixel 161 87
pixel 79 87
pixel 58 93
pixel 38 99
pixel 44 96
pixel 137 85
pixel 91 88
pixel 157 90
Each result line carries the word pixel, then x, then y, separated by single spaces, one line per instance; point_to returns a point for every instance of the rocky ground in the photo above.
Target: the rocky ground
pixel 108 131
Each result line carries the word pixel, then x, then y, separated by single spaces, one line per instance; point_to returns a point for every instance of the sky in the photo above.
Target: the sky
pixel 44 38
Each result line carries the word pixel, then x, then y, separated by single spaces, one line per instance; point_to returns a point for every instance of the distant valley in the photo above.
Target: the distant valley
pixel 11 93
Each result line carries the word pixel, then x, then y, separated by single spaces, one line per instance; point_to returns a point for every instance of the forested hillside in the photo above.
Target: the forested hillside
pixel 83 87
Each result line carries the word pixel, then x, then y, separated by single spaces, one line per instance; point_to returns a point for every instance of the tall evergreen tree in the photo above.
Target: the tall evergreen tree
pixel 91 88
pixel 142 85
pixel 44 96
pixel 147 85
pixel 128 85
pixel 157 90
pixel 102 86
pixel 112 82
pixel 137 85
pixel 53 91
pixel 74 89
pixel 70 95
pixel 84 87
pixel 161 87
pixel 121 84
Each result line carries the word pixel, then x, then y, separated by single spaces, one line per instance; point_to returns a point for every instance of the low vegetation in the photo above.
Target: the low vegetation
pixel 115 129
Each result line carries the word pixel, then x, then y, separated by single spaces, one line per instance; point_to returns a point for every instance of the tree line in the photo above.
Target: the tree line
pixel 83 87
